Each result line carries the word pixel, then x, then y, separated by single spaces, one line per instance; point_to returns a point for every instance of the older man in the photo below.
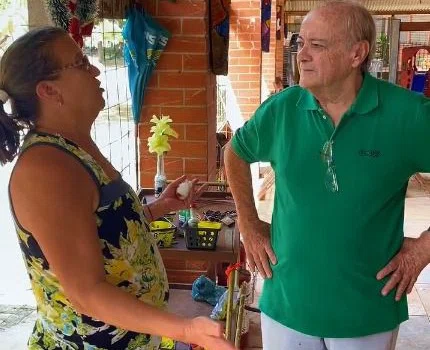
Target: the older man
pixel 343 146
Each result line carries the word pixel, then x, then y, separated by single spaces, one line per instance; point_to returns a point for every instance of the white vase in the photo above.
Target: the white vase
pixel 160 180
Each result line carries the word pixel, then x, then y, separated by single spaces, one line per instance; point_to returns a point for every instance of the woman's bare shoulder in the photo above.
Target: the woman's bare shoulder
pixel 44 173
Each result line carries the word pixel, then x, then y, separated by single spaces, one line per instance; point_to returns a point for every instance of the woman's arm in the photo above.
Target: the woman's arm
pixel 169 201
pixel 55 198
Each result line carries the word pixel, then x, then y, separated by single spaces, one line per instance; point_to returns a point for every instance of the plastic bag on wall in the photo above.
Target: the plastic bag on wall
pixel 219 24
pixel 266 13
pixel 278 22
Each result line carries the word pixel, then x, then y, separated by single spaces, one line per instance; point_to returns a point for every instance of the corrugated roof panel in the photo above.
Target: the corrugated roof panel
pixel 385 6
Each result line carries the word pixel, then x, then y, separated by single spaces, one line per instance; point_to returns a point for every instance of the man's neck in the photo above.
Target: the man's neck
pixel 336 100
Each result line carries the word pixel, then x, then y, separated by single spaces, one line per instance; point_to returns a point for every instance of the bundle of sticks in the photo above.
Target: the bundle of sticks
pixel 235 310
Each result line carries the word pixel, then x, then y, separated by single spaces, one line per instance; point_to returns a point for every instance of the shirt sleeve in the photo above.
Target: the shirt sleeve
pixel 420 137
pixel 253 142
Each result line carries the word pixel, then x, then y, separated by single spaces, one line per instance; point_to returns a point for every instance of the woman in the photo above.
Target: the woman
pixel 95 271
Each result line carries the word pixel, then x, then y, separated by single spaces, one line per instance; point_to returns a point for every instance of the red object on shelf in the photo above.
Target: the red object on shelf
pixel 409 67
pixel 231 268
pixel 222 267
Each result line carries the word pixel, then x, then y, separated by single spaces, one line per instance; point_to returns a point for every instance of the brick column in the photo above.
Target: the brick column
pixel 184 88
pixel 245 56
pixel 37 14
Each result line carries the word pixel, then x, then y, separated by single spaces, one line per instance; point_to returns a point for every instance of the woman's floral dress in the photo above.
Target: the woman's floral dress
pixel 131 261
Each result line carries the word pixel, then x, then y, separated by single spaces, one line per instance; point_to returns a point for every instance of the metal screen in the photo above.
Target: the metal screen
pixel 114 129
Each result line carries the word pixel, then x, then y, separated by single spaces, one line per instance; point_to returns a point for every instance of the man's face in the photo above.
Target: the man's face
pixel 324 56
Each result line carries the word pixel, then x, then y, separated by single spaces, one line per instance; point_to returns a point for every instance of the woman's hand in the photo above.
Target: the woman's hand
pixel 208 334
pixel 169 200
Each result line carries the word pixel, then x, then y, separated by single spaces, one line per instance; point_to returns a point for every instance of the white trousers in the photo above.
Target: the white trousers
pixel 278 337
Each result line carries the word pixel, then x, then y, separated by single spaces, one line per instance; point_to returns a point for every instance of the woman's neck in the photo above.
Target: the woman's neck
pixel 77 135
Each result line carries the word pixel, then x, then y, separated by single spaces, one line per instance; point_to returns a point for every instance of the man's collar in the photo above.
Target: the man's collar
pixel 366 100
pixel 307 101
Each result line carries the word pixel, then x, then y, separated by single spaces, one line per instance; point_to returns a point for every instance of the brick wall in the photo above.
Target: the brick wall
pixel 183 87
pixel 245 55
pixel 252 72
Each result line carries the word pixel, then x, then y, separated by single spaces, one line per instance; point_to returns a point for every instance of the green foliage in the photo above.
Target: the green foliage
pixel 4 4
pixel 112 56
pixel 86 10
pixel 59 12
pixel 383 48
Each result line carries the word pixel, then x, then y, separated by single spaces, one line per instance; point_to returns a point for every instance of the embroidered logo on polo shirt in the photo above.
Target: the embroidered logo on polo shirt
pixel 371 153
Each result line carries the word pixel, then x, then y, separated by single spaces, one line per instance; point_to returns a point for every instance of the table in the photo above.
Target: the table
pixel 184 265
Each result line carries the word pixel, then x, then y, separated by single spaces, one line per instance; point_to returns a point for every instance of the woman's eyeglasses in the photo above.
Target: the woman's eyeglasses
pixel 83 64
pixel 330 176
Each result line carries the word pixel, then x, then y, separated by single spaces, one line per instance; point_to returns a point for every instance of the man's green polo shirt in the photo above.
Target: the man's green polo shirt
pixel 330 246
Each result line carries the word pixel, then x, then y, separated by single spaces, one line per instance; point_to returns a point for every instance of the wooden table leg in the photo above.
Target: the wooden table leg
pixel 212 271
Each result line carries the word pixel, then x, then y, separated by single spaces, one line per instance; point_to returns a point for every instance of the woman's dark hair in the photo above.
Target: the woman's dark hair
pixel 27 61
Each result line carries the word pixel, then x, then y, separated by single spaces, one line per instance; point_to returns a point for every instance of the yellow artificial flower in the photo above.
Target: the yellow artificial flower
pixel 164 130
pixel 159 141
pixel 164 119
pixel 158 144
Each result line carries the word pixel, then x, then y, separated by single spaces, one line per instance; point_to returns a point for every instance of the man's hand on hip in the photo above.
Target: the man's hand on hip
pixel 256 239
pixel 406 266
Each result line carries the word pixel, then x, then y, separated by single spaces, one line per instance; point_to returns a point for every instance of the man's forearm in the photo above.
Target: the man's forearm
pixel 240 182
pixel 425 239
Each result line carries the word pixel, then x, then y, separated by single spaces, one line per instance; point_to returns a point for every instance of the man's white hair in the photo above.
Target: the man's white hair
pixel 357 21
